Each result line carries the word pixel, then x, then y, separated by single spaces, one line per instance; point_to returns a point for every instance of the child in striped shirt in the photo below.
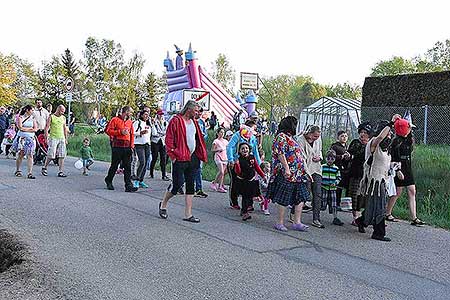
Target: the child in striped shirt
pixel 330 179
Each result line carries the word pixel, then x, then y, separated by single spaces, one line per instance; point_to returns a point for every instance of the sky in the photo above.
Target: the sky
pixel 332 41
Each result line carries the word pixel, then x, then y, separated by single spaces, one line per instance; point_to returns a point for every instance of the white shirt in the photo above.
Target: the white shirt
pixel 309 152
pixel 41 116
pixel 190 135
pixel 141 139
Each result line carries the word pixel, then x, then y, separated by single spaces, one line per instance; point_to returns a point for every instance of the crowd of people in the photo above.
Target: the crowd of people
pixel 372 170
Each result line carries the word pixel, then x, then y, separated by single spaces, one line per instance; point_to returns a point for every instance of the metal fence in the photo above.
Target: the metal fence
pixel 432 122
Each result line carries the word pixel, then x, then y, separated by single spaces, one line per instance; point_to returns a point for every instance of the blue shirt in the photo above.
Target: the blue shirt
pixel 202 125
pixel 232 148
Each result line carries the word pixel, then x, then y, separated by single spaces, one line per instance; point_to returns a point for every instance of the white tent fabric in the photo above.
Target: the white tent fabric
pixel 331 114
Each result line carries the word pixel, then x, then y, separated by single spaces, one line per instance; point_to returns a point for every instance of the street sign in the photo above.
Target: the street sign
pixel 69 84
pixel 201 96
pixel 249 81
pixel 68 97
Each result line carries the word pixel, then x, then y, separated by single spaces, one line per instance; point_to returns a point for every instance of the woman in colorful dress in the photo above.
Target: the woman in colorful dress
pixel 287 185
pixel 24 144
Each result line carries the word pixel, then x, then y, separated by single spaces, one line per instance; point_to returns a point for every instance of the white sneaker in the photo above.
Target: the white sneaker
pixel 266 212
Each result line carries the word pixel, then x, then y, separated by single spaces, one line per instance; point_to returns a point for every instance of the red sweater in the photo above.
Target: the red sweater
pixel 114 130
pixel 176 141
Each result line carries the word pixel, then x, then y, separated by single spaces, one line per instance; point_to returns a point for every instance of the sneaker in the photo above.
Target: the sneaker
pixel 221 190
pixel 381 238
pixel 200 194
pixel 109 185
pixel 165 178
pixel 299 227
pixel 85 174
pixel 136 184
pixel 214 186
pixel 417 222
pixel 306 208
pixel 180 191
pixel 316 223
pixel 224 187
pixel 237 207
pixel 280 227
pixel 337 222
pixel 131 189
pixel 143 185
pixel 291 218
pixel 266 212
pixel 246 217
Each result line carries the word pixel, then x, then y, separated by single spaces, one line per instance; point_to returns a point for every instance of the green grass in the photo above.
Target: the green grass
pixel 431 165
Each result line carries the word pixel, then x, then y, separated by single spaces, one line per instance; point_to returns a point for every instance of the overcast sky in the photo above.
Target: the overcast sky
pixel 333 41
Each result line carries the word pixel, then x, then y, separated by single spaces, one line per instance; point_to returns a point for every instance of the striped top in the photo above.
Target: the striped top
pixel 330 177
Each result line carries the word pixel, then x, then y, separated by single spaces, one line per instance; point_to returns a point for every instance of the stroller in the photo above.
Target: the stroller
pixel 41 150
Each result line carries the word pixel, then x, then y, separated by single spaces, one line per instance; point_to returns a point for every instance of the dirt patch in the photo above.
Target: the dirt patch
pixel 11 251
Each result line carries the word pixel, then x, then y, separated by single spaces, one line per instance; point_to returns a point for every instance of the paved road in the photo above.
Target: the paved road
pixel 100 244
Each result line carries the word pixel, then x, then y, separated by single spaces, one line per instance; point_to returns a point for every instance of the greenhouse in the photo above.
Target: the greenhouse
pixel 332 114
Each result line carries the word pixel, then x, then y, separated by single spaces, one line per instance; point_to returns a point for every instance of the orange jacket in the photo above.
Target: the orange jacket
pixel 114 130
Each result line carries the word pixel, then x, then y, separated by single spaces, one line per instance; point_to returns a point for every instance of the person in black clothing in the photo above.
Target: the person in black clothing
pixel 401 150
pixel 246 168
pixel 342 162
pixel 357 150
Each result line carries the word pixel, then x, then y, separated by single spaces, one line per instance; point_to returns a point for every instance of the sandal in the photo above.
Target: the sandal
pixel 192 219
pixel 162 212
pixel 18 173
pixel 30 176
pixel 61 174
pixel 44 172
pixel 417 222
pixel 391 218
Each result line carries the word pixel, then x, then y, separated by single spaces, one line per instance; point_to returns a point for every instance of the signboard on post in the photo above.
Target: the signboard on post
pixel 201 96
pixel 69 84
pixel 249 81
pixel 68 97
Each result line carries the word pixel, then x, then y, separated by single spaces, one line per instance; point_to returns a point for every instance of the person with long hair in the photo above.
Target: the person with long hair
pixel 401 151
pixel 159 128
pixel 142 131
pixel 219 147
pixel 24 144
pixel 311 145
pixel 287 185
pixel 375 176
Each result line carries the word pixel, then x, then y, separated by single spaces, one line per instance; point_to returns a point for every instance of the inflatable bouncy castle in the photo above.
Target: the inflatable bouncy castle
pixel 191 76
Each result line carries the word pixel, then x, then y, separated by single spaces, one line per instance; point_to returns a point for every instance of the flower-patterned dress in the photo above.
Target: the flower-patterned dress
pixel 293 190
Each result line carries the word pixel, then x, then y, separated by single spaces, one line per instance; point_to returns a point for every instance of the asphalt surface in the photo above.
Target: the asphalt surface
pixel 86 242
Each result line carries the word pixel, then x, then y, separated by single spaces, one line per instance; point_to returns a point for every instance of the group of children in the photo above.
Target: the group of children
pixel 254 178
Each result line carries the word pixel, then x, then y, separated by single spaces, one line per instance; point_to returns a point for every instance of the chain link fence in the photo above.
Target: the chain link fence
pixel 432 122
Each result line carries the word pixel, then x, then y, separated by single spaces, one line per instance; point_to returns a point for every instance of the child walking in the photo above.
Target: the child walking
pixel 219 147
pixel 330 179
pixel 9 139
pixel 263 185
pixel 86 155
pixel 246 168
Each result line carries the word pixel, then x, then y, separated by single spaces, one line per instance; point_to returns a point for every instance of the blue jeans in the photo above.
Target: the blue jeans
pixel 198 177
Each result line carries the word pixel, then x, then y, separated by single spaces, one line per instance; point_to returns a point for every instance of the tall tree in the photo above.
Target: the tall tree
pixel 345 90
pixel 394 66
pixel 152 90
pixel 26 83
pixel 224 73
pixel 70 66
pixel 103 62
pixel 7 78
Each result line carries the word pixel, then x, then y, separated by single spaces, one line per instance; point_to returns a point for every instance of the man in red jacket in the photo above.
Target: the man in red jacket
pixel 186 147
pixel 120 130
